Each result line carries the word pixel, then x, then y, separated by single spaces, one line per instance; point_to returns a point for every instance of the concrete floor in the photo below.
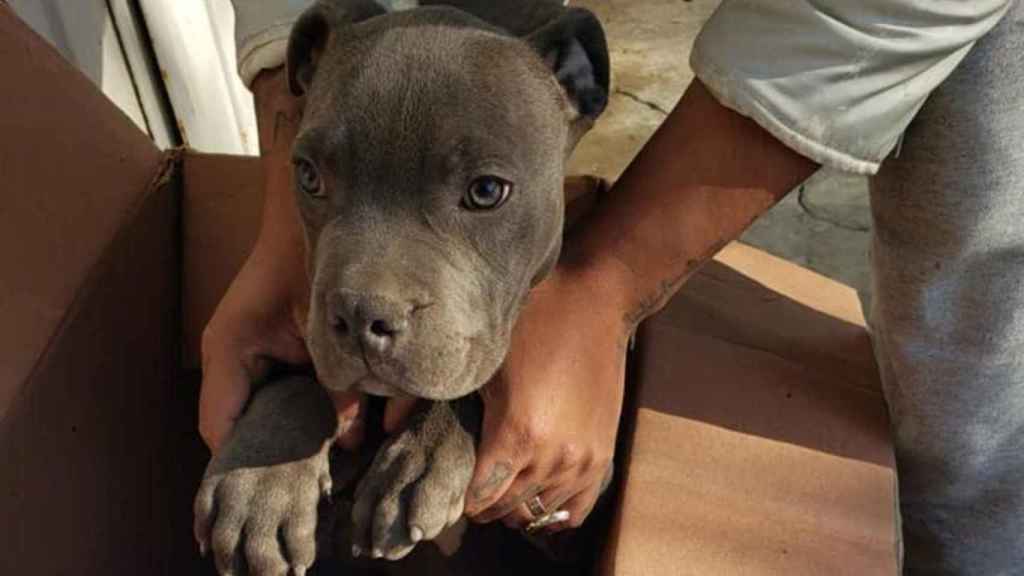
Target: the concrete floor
pixel 824 226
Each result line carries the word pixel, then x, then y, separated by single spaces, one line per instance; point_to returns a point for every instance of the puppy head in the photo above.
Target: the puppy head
pixel 428 172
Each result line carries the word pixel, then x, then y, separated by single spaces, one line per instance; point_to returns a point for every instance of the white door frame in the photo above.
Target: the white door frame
pixel 194 45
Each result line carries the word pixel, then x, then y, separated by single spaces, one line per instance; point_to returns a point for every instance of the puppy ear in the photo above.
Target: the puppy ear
pixel 575 49
pixel 305 45
pixel 311 33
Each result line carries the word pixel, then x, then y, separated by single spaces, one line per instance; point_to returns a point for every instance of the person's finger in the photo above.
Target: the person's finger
pixel 553 499
pixel 526 485
pixel 224 391
pixel 499 460
pixel 561 470
pixel 351 408
pixel 492 479
pixel 396 411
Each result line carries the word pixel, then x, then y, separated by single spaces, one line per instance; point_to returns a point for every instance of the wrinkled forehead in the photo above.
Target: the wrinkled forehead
pixel 430 82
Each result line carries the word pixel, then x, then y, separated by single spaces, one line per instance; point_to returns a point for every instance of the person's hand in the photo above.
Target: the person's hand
pixel 260 320
pixel 552 412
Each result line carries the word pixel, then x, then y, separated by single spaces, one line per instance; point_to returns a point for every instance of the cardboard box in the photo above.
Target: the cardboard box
pixel 760 444
pixel 757 442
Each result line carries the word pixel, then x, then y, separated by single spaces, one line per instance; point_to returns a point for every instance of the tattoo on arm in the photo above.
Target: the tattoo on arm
pixel 654 301
pixel 284 119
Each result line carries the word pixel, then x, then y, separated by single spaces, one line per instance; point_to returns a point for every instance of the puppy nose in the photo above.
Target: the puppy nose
pixel 376 322
pixel 379 334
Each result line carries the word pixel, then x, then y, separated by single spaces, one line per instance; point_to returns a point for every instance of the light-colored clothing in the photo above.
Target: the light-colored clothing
pixel 262 28
pixel 261 33
pixel 840 82
pixel 835 80
pixel 948 262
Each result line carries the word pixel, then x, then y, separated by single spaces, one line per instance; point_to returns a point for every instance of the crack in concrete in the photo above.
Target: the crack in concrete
pixel 812 213
pixel 636 98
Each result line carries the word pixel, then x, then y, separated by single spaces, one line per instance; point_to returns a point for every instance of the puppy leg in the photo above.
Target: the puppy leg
pixel 257 505
pixel 416 485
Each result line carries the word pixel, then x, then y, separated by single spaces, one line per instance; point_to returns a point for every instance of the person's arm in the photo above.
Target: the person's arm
pixel 794 83
pixel 552 413
pixel 702 179
pixel 258 317
pixel 709 172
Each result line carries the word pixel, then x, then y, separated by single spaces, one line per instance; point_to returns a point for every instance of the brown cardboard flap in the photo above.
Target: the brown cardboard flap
pixel 73 169
pixel 221 209
pixel 90 467
pixel 89 252
pixel 751 297
pixel 760 444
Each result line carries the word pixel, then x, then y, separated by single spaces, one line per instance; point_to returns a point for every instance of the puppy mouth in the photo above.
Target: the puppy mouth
pixel 377 384
pixel 372 383
pixel 373 386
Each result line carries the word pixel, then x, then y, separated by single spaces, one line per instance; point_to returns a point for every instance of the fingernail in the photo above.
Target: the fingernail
pixel 377 553
pixel 356 551
pixel 416 534
pixel 202 549
pixel 300 571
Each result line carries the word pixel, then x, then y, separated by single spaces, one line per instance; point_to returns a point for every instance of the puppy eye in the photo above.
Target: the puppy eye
pixel 308 178
pixel 487 193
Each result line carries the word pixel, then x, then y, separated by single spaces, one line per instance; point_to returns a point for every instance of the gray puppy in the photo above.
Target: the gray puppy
pixel 429 168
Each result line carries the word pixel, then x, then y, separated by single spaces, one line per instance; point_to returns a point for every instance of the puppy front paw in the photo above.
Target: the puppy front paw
pixel 257 506
pixel 416 485
pixel 262 519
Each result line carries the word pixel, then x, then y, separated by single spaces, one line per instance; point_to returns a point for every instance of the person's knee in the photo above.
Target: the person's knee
pixel 958 460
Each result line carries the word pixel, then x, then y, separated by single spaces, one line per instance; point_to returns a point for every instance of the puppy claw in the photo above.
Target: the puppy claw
pixel 377 553
pixel 415 534
pixel 357 551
